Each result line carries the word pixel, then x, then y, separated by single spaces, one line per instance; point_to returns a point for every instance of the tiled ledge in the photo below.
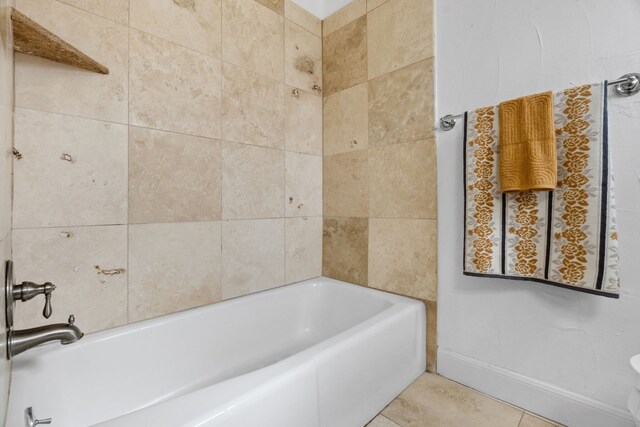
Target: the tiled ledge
pixel 31 38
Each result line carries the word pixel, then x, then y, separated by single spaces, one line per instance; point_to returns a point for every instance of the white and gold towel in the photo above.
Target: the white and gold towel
pixel 566 237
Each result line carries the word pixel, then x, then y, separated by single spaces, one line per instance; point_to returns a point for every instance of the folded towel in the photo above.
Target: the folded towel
pixel 528 144
pixel 566 237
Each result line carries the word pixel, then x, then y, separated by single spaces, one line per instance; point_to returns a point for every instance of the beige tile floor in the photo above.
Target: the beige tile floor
pixel 434 401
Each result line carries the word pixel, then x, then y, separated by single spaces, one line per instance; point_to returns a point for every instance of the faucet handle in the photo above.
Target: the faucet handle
pixel 72 319
pixel 47 311
pixel 27 290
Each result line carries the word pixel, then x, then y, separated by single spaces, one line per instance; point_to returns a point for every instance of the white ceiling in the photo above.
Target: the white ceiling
pixel 321 8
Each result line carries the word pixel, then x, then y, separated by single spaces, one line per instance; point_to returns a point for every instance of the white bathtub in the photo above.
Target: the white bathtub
pixel 316 353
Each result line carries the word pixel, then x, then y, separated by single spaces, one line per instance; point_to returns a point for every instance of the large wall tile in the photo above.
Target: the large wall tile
pixel 344 57
pixel 196 24
pixel 303 185
pixel 399 33
pixel 303 246
pixel 303 121
pixel 401 105
pixel 275 5
pixel 352 11
pixel 72 171
pixel 403 256
pixel 173 177
pixel 88 265
pixel 346 123
pixel 403 180
pixel 299 16
pixel 173 267
pixel 303 59
pixel 253 38
pixel 346 184
pixel 173 88
pixel 50 86
pixel 345 249
pixel 252 256
pixel 116 10
pixel 252 182
pixel 252 108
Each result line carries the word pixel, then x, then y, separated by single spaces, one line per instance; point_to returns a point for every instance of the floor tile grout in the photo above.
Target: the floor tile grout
pixel 436 385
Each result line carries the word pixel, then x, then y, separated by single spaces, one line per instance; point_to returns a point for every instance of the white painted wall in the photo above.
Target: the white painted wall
pixel 575 344
pixel 322 8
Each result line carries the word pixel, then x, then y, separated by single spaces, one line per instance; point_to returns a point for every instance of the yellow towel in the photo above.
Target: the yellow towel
pixel 528 144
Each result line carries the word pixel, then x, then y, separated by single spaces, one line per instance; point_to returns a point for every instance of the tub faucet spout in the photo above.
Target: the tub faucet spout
pixel 22 340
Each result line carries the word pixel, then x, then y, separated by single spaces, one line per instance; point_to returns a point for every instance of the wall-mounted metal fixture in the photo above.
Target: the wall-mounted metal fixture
pixel 22 340
pixel 627 85
pixel 27 290
pixel 30 421
pixel 448 122
pixel 24 292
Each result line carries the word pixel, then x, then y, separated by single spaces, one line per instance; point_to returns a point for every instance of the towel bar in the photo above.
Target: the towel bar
pixel 627 85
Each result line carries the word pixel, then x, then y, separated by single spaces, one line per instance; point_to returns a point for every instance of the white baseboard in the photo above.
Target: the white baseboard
pixel 535 396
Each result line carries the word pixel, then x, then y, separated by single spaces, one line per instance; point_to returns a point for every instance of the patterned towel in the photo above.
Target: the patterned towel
pixel 566 237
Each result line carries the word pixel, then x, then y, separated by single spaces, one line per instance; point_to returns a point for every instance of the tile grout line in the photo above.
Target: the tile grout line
pixel 12 121
pixel 322 163
pixel 46 227
pixel 367 152
pixel 426 140
pixel 390 420
pixel 222 158
pixel 97 14
pixel 385 74
pixel 378 6
pixel 284 163
pixel 128 159
pixel 165 131
pixel 301 27
pixel 345 24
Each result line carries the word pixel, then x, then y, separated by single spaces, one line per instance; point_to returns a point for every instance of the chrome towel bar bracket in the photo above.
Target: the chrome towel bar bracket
pixel 627 85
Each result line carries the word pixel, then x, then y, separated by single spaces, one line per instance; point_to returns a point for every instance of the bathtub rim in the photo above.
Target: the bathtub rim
pixel 140 325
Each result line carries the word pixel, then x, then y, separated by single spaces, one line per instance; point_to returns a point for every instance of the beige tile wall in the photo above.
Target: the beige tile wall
pixel 193 172
pixel 190 174
pixel 379 179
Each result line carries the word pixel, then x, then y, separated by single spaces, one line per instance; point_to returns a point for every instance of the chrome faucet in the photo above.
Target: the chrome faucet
pixel 23 340
pixel 19 341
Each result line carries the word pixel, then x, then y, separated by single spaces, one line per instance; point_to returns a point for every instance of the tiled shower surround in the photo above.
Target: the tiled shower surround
pixel 192 173
pixel 379 150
